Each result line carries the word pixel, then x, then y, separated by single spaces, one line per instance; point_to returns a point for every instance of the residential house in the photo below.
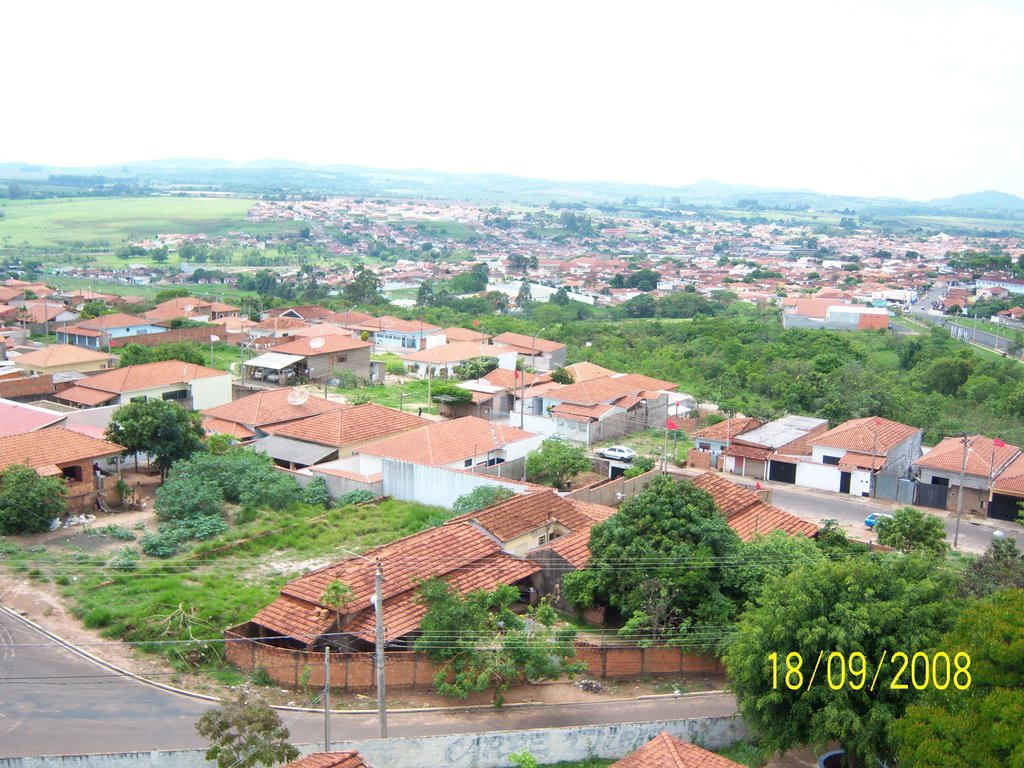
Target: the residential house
pixel 195 387
pixel 1008 492
pixel 96 332
pixel 833 315
pixel 459 444
pixel 666 751
pixel 244 419
pixel 598 409
pixel 60 358
pixel 747 513
pixel 461 554
pixel 191 308
pixel 542 354
pixel 324 356
pixel 847 458
pixel 63 453
pixel 17 418
pixel 498 391
pixel 393 334
pixel 333 434
pixel 44 316
pixel 748 454
pixel 715 438
pixel 441 361
pixel 978 459
pixel 455 334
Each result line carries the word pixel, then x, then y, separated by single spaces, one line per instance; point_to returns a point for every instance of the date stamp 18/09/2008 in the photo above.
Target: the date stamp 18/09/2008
pixel 903 671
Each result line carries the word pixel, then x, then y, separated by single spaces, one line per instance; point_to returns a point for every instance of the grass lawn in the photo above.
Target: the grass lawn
pixel 651 442
pixel 408 396
pixel 217 583
pixel 63 221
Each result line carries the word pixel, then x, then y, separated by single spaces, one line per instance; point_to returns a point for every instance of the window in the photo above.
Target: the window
pixel 833 460
pixel 542 539
pixel 469 463
pixel 940 481
pixel 341 359
pixel 178 394
pixel 139 399
pixel 74 474
pixel 703 446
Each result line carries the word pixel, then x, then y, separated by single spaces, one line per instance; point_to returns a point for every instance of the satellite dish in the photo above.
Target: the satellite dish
pixel 298 396
pixel 316 342
pixel 188 307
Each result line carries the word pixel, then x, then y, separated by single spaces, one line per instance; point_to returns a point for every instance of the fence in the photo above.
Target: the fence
pixel 611 493
pixel 408 669
pixel 201 335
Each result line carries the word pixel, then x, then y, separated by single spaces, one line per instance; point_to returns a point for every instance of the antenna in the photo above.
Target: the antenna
pixel 298 396
pixel 316 342
pixel 188 307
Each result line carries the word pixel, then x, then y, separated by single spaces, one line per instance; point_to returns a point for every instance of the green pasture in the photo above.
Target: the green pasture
pixel 95 220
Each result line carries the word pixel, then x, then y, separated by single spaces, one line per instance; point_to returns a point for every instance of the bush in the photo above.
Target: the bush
pixel 316 494
pixel 118 532
pixel 163 543
pixel 274 491
pixel 480 498
pixel 355 497
pixel 125 560
pixel 28 502
pixel 183 497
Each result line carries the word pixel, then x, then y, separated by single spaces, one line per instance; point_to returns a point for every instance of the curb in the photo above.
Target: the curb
pixel 284 708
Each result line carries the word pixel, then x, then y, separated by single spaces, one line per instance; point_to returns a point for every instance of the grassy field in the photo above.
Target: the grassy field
pixel 64 221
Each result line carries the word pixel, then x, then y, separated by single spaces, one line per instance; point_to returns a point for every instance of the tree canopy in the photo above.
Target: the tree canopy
pixel 556 461
pixel 911 530
pixel 245 732
pixel 660 561
pixel 160 428
pixel 866 605
pixel 981 725
pixel 185 351
pixel 28 502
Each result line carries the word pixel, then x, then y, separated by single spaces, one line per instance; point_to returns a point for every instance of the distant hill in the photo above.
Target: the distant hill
pixel 985 201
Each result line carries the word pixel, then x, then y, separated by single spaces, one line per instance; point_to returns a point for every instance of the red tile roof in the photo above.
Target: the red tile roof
pixel 307 346
pixel 746 513
pixel 527 344
pixel 113 320
pixel 524 513
pixel 52 446
pixel 607 389
pixel 983 456
pixel 214 426
pixel 665 751
pixel 730 428
pixel 729 497
pixel 460 553
pixel 445 442
pixel 349 425
pixel 330 760
pixel 463 334
pixel 870 435
pixel 453 353
pixel 85 396
pixel 586 371
pixel 132 378
pixel 16 418
pixel 60 354
pixel 574 548
pixel 501 377
pixel 1011 480
pixel 271 406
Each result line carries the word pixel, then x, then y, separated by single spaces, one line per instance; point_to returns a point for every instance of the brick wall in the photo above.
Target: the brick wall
pixel 407 669
pixel 698 459
pixel 200 335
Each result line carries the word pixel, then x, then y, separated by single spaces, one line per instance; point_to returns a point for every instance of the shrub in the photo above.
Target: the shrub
pixel 183 497
pixel 316 493
pixel 355 497
pixel 125 560
pixel 28 502
pixel 480 498
pixel 164 543
pixel 118 532
pixel 274 491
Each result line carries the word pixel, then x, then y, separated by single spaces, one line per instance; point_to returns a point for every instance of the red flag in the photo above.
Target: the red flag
pixel 476 323
pixel 669 424
pixel 516 374
pixel 998 443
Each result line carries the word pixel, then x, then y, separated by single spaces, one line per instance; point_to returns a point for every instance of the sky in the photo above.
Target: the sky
pixel 917 99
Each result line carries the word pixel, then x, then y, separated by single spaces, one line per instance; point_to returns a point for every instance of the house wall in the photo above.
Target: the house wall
pixel 210 392
pixel 132 330
pixel 83 367
pixel 357 361
pixel 901 457
pixel 970 481
pixel 93 417
pixel 520 545
pixel 161 335
pixel 438 486
pixel 821 476
pixel 89 342
pixel 611 493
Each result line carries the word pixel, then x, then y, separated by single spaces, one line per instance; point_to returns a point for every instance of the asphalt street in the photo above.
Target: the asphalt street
pixel 53 701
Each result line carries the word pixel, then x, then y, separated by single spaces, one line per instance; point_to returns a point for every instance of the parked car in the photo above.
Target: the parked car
pixel 617 452
pixel 873 519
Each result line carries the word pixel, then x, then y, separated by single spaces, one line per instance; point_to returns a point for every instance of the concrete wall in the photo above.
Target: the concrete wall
pixel 468 750
pixel 93 417
pixel 440 487
pixel 210 392
pixel 611 493
pixel 825 477
pixel 200 335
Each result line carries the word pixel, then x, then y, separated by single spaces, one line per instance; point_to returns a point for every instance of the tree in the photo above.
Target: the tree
pixel 911 530
pixel 482 644
pixel 480 498
pixel 658 561
pixel 562 376
pixel 160 428
pixel 1000 567
pixel 28 502
pixel 861 605
pixel 185 351
pixel 337 596
pixel 476 367
pixel 560 297
pixel 525 296
pixel 364 289
pixel 980 724
pixel 245 732
pixel 557 461
pixel 167 294
pixel 93 308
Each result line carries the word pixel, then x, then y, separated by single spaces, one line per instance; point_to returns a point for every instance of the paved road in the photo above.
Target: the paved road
pixel 53 701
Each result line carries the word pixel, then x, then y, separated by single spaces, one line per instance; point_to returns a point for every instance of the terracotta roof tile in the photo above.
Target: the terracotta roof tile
pixel 132 378
pixel 665 751
pixel 606 389
pixel 52 446
pixel 523 343
pixel 332 343
pixel 500 377
pixel 732 499
pixel 214 426
pixel 983 456
pixel 574 548
pixel 447 441
pixel 270 406
pixel 870 435
pixel 463 334
pixel 349 425
pixel 330 760
pixel 453 353
pixel 764 518
pixel 526 512
pixel 60 354
pixel 586 371
pixel 85 396
pixel 729 428
pixel 114 320
pixel 1011 479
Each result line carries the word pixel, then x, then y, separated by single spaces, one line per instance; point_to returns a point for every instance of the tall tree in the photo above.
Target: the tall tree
pixel 557 461
pixel 160 428
pixel 525 296
pixel 973 721
pixel 911 530
pixel 364 289
pixel 245 732
pixel 861 605
pixel 660 561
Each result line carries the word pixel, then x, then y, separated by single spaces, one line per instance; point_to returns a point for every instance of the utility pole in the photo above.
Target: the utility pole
pixel 327 699
pixel 378 609
pixel 960 496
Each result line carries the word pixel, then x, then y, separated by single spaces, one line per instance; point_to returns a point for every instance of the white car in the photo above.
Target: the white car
pixel 617 452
